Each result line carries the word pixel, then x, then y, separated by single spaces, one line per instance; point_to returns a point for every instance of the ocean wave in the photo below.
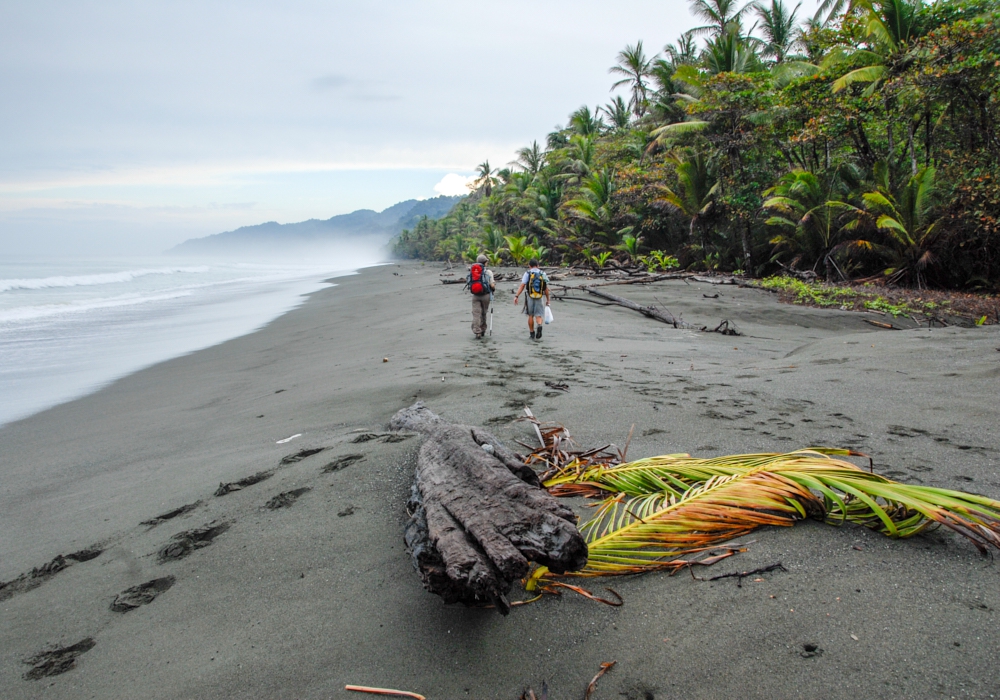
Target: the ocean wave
pixel 90 280
pixel 30 313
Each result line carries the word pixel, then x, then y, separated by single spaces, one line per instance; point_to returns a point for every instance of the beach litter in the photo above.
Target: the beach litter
pixel 288 439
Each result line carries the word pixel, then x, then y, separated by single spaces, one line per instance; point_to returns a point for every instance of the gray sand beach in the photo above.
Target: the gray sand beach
pixel 297 582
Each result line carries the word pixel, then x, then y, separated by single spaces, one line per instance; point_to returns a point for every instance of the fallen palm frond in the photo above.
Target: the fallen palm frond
pixel 661 509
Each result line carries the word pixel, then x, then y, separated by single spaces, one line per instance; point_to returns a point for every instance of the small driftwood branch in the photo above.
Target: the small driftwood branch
pixel 479 515
pixel 878 324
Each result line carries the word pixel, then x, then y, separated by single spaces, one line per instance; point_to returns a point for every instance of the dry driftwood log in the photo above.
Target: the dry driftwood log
pixel 650 311
pixel 479 515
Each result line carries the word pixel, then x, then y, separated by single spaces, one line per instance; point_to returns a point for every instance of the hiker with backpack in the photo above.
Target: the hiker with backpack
pixel 536 282
pixel 480 283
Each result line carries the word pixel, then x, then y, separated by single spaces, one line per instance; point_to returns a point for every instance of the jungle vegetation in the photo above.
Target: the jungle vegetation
pixel 861 143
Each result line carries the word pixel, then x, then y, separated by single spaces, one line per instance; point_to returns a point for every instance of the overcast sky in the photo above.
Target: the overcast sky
pixel 130 126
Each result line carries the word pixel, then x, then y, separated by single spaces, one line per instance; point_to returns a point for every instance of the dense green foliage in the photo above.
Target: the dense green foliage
pixel 862 145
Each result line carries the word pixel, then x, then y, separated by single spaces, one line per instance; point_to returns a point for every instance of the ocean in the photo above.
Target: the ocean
pixel 68 328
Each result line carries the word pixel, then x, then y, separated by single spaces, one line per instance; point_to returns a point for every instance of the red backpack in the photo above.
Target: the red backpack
pixel 477 283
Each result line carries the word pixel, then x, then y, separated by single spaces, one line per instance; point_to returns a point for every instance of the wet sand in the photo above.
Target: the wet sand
pixel 315 592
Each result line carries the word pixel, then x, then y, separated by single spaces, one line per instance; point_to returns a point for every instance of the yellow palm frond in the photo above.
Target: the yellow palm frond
pixel 663 508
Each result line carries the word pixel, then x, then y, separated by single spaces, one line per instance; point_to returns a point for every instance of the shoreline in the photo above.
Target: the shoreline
pixel 163 330
pixel 300 600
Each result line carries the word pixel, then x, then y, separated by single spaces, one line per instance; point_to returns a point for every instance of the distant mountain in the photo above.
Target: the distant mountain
pixel 371 226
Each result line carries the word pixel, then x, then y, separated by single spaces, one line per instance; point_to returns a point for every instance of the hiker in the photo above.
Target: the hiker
pixel 537 284
pixel 480 283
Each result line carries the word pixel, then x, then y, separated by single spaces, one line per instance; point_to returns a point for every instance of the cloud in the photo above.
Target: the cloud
pixel 453 184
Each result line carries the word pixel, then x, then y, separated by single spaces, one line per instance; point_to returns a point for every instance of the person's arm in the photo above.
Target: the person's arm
pixel 518 293
pixel 547 297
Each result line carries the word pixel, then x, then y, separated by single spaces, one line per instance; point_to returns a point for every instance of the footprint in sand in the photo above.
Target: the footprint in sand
pixel 300 455
pixel 341 463
pixel 183 543
pixel 40 574
pixel 286 499
pixel 225 488
pixel 143 594
pixel 52 662
pixel 170 515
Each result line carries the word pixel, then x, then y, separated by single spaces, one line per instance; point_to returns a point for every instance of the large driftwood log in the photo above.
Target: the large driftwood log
pixel 649 311
pixel 479 515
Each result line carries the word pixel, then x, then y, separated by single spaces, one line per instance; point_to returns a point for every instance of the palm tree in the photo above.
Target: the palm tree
pixel 718 14
pixel 683 51
pixel 779 28
pixel 542 203
pixel 577 159
pixel 698 188
pixel 730 51
pixel 531 158
pixel 806 210
pixel 585 123
pixel 634 66
pixel 618 113
pixel 593 207
pixel 908 220
pixel 485 178
pixel 889 27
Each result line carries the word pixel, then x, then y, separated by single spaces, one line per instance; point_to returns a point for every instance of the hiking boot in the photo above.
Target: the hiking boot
pixel 538 332
pixel 531 335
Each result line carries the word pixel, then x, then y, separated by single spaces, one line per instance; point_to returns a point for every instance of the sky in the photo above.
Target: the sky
pixel 129 127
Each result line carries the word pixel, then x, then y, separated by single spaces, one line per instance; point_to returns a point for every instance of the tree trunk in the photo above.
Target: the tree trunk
pixel 479 515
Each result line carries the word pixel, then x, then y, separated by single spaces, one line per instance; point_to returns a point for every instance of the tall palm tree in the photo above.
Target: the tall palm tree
pixel 485 178
pixel 697 186
pixel 531 158
pixel 718 14
pixel 634 67
pixel 730 52
pixel 779 27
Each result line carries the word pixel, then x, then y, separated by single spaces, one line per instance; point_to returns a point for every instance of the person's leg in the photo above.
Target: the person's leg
pixel 479 315
pixel 539 322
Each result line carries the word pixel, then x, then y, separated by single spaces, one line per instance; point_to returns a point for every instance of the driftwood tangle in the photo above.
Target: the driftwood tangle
pixel 479 515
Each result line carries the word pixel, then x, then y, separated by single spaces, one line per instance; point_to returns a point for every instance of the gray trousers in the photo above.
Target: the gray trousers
pixel 480 307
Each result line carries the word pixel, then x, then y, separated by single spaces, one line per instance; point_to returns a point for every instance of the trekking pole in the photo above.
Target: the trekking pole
pixel 491 314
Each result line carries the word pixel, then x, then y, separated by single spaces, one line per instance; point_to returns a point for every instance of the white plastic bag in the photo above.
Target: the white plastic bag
pixel 548 315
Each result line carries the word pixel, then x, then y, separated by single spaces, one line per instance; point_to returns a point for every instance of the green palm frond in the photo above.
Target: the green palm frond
pixel 662 508
pixel 868 74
